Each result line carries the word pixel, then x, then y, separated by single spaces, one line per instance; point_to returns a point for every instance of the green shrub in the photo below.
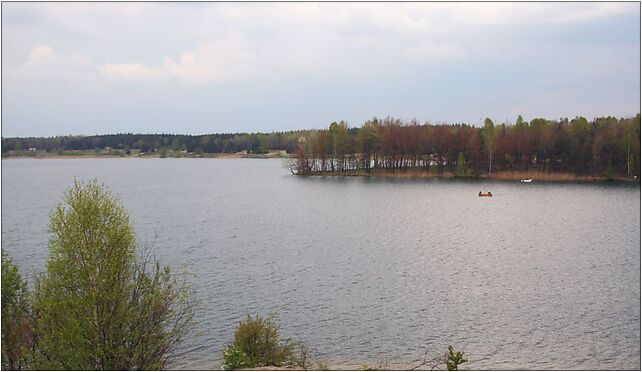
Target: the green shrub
pixel 454 359
pixel 322 366
pixel 234 358
pixel 17 326
pixel 257 344
pixel 451 359
pixel 258 338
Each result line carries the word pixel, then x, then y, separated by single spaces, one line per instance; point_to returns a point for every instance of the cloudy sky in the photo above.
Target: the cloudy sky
pixel 96 68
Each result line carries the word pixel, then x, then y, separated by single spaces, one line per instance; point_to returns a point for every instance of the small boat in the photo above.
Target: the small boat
pixel 488 194
pixel 527 181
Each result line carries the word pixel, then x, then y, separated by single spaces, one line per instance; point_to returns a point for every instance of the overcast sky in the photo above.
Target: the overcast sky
pixel 97 68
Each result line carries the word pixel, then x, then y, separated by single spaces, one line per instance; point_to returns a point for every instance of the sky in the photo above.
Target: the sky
pixel 196 68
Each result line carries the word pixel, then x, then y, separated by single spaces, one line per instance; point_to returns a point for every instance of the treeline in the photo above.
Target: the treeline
pixel 257 143
pixel 605 146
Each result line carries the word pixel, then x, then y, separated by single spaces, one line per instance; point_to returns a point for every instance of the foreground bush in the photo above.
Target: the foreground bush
pixel 235 358
pixel 257 344
pixel 99 305
pixel 17 327
pixel 454 359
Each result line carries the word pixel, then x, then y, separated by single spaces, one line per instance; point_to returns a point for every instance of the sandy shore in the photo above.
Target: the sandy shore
pixel 154 155
pixel 56 156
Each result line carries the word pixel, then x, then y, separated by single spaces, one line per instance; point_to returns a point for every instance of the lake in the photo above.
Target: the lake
pixel 540 276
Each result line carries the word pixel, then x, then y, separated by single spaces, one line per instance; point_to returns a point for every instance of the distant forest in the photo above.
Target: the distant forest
pixel 256 143
pixel 605 146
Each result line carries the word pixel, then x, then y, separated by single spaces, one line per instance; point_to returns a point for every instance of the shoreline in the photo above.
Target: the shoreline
pixel 156 155
pixel 536 176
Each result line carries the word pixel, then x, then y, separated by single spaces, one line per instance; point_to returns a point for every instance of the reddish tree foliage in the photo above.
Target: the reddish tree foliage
pixel 603 147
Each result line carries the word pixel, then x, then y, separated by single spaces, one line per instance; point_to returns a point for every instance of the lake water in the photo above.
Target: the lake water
pixel 541 276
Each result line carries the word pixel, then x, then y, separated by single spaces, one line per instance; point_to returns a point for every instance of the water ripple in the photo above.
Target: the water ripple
pixel 363 270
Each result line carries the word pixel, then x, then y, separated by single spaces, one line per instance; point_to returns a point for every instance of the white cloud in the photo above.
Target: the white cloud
pixel 434 51
pixel 45 63
pixel 221 60
pixel 42 54
pixel 77 59
pixel 219 42
pixel 136 71
pixel 593 11
pixel 361 56
pixel 537 13
pixel 400 19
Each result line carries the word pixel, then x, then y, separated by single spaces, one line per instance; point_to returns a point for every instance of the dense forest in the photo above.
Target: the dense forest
pixel 257 143
pixel 606 146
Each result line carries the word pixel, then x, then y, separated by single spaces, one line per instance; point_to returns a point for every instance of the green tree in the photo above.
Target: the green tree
pixel 631 143
pixel 519 121
pixel 461 165
pixel 17 329
pixel 369 141
pixel 339 143
pixel 312 150
pixel 264 146
pixel 488 135
pixel 99 305
pixel 177 145
pixel 580 144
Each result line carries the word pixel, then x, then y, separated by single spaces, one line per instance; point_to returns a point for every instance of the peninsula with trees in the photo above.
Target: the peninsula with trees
pixel 604 148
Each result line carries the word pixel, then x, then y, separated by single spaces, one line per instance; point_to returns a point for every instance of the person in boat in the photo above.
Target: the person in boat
pixel 479 193
pixel 490 193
